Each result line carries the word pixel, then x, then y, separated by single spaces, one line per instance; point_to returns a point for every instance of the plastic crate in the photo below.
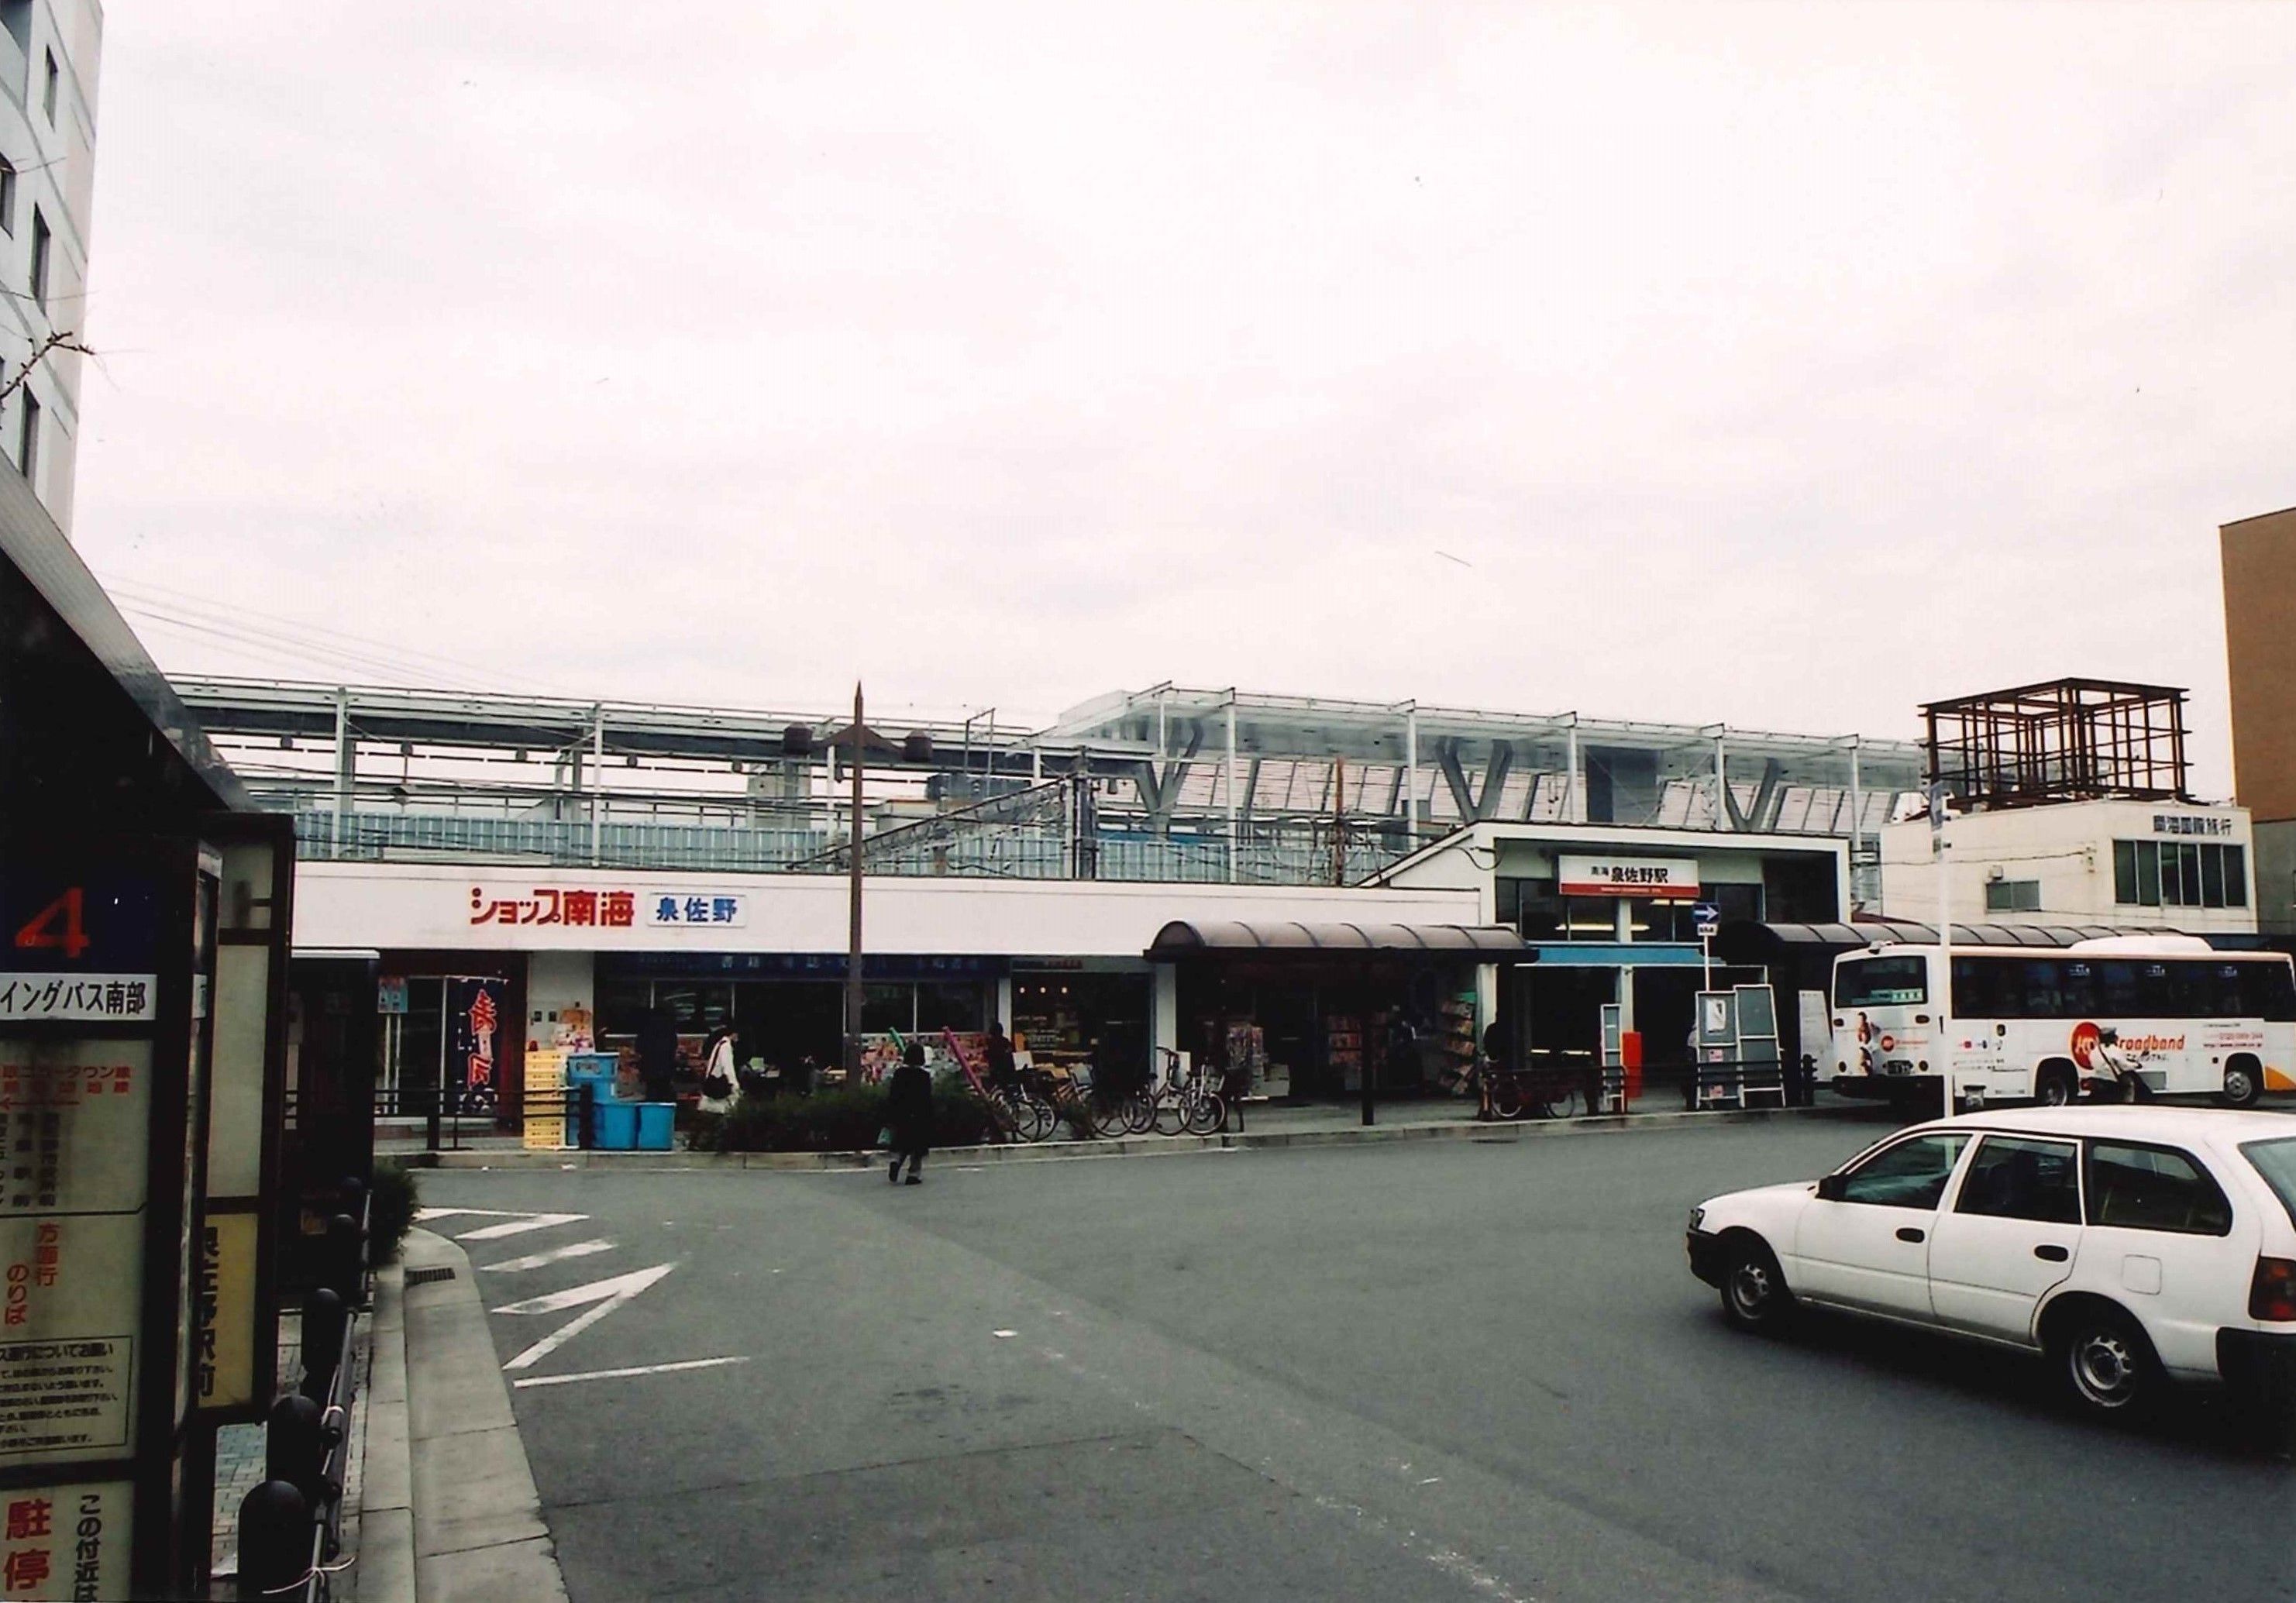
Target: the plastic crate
pixel 614 1125
pixel 657 1124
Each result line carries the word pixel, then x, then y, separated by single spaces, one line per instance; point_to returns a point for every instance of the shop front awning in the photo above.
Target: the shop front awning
pixel 1185 938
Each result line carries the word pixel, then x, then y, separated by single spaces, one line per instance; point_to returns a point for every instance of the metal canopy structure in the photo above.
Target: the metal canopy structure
pixel 1182 938
pixel 2065 740
pixel 1164 784
pixel 1744 943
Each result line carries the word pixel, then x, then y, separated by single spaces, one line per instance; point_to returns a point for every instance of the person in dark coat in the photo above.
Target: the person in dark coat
pixel 909 1112
pixel 658 1055
pixel 1001 1075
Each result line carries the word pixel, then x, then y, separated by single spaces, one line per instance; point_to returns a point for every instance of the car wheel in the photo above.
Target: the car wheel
pixel 2107 1362
pixel 2057 1086
pixel 2243 1083
pixel 1754 1294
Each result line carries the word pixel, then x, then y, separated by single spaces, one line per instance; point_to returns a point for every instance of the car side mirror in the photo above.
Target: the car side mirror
pixel 1832 1188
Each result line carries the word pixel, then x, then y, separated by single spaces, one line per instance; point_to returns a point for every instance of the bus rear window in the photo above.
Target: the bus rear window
pixel 1881 982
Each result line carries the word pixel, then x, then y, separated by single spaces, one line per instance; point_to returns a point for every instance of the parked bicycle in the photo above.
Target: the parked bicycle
pixel 1178 1103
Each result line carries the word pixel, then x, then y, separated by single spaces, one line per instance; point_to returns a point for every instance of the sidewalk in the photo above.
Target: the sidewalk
pixel 1264 1126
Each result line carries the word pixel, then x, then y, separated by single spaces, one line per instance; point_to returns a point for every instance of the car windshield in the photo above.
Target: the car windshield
pixel 1881 982
pixel 2275 1160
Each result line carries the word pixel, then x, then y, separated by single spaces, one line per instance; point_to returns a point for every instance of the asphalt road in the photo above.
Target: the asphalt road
pixel 1441 1371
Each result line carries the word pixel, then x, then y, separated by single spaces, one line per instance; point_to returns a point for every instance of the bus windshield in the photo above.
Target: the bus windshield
pixel 1880 982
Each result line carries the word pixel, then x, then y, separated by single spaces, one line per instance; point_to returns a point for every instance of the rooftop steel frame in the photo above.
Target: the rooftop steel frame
pixel 2062 739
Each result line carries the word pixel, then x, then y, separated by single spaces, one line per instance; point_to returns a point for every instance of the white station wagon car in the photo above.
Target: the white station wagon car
pixel 2134 1245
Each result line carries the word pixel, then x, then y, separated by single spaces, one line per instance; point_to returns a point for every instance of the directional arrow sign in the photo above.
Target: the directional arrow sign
pixel 608 1295
pixel 1706 912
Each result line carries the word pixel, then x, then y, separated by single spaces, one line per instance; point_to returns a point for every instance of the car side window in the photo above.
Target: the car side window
pixel 1910 1175
pixel 2017 1177
pixel 2153 1187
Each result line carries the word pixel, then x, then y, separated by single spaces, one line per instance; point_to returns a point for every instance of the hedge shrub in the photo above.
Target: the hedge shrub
pixel 846 1119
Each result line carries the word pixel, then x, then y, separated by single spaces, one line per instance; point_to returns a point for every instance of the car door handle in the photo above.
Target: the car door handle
pixel 1908 1233
pixel 2053 1255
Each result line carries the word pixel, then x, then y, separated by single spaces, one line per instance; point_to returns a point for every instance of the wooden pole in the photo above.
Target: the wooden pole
pixel 853 991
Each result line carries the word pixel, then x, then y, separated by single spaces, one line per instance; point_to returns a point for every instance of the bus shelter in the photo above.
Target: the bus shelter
pixel 144 907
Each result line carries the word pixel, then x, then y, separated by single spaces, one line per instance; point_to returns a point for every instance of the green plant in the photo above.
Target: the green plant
pixel 392 1202
pixel 846 1119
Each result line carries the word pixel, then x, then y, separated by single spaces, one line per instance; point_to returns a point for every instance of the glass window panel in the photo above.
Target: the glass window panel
pixel 2013 1177
pixel 1910 1174
pixel 2235 873
pixel 2148 874
pixel 2124 873
pixel 2213 889
pixel 888 1007
pixel 2153 1187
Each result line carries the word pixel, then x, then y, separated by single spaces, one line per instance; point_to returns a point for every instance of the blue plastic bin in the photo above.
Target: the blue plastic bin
pixel 657 1121
pixel 614 1125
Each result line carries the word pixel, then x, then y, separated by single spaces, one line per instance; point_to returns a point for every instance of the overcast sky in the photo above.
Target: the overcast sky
pixel 1785 365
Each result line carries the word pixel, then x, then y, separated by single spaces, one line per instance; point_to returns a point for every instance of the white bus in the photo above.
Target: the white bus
pixel 2044 1025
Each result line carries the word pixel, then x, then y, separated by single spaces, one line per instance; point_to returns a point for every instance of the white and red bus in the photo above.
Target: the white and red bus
pixel 2168 1012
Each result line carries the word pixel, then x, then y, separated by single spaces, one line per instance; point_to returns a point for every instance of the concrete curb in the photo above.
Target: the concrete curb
pixel 383 1536
pixel 1138 1146
pixel 476 1531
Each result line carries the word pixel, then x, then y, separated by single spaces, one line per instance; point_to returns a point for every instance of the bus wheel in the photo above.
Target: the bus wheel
pixel 2244 1083
pixel 2056 1087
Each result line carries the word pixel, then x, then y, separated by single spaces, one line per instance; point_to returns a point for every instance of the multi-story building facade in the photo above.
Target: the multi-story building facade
pixel 2259 585
pixel 49 54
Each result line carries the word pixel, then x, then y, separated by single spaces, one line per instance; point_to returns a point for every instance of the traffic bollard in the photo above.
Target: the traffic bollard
pixel 274 1539
pixel 294 1449
pixel 323 1318
pixel 345 1254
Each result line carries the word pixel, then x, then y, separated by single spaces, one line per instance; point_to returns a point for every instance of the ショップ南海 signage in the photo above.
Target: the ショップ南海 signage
pixel 1664 879
pixel 585 907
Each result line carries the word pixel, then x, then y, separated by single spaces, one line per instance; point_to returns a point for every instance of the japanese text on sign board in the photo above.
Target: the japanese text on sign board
pixel 550 904
pixel 609 909
pixel 126 998
pixel 59 1541
pixel 67 1394
pixel 2179 823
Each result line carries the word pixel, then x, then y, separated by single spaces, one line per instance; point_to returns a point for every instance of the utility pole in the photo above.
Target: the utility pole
pixel 853 991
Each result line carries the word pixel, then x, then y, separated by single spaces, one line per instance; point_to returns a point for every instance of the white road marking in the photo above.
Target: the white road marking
pixel 608 1293
pixel 518 1224
pixel 643 1368
pixel 556 1255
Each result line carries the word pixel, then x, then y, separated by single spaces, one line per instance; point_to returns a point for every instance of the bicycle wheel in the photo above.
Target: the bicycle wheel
pixel 1506 1098
pixel 1109 1120
pixel 1139 1113
pixel 1203 1113
pixel 1033 1118
pixel 1170 1112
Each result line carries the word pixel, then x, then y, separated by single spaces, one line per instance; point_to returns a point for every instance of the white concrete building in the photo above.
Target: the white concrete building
pixel 2179 865
pixel 50 51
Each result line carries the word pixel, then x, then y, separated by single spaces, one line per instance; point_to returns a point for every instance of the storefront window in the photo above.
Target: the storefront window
pixel 698 1006
pixel 888 1007
pixel 944 1006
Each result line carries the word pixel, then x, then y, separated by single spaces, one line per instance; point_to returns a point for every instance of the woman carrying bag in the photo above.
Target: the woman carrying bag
pixel 721 1084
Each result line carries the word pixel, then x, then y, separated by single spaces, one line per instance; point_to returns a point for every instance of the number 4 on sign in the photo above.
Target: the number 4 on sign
pixel 609 1295
pixel 59 927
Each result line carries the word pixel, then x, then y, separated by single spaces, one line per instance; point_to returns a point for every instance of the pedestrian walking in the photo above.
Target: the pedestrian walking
pixel 721 1082
pixel 910 1113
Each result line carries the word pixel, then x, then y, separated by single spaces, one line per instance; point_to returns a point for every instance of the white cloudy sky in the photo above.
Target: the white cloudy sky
pixel 1786 365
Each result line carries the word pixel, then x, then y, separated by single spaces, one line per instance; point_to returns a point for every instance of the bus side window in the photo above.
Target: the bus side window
pixel 1977 988
pixel 2117 995
pixel 2044 986
pixel 2229 993
pixel 2271 992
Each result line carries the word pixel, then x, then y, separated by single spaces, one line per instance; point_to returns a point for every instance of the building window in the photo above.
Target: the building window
pixel 2012 895
pixel 7 196
pixel 40 240
pixel 27 440
pixel 2178 873
pixel 48 88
